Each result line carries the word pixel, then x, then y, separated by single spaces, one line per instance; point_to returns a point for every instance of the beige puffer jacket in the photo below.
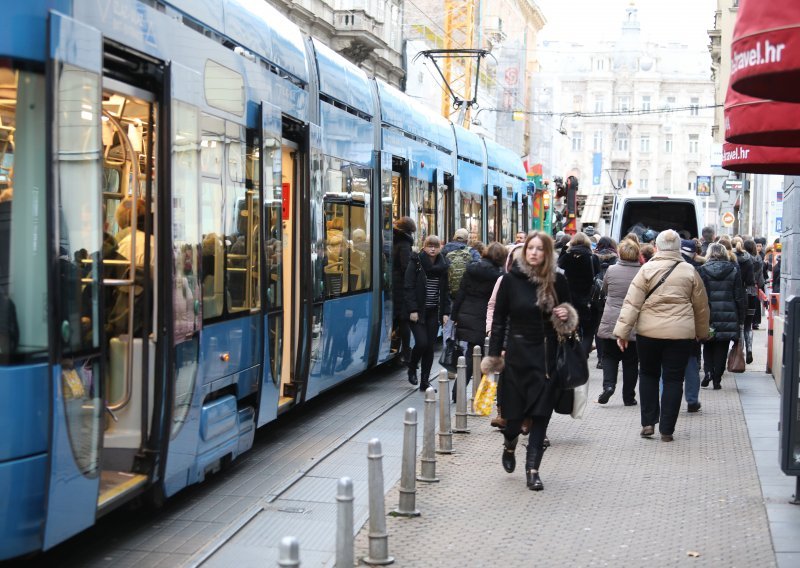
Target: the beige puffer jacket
pixel 678 309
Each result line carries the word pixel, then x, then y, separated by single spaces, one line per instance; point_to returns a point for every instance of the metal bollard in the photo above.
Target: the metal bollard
pixel 289 552
pixel 427 470
pixel 445 434
pixel 461 397
pixel 476 379
pixel 344 523
pixel 408 479
pixel 378 538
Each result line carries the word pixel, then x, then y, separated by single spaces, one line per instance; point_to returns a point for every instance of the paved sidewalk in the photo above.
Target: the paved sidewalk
pixel 612 498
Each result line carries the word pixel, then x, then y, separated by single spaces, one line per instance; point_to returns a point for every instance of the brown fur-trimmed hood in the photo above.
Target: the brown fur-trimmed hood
pixel 545 301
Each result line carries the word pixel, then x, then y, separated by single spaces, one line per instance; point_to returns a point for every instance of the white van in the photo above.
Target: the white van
pixel 683 213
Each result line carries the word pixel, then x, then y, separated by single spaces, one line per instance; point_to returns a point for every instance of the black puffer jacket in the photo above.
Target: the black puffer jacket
pixel 416 281
pixel 469 306
pixel 580 265
pixel 401 254
pixel 726 298
pixel 746 270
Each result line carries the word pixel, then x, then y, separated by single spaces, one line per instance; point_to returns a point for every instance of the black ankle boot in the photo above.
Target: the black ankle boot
pixel 533 480
pixel 533 460
pixel 412 376
pixel 509 459
pixel 706 379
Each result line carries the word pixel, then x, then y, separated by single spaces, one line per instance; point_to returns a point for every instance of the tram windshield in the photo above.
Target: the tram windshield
pixel 23 237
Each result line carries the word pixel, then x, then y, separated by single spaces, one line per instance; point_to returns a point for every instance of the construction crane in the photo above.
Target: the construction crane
pixel 459 28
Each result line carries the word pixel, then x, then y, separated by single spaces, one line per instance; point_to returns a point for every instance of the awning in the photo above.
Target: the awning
pixel 592 209
pixel 759 122
pixel 761 159
pixel 765 51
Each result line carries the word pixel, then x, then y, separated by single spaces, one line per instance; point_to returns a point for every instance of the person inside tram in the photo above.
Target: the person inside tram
pixel 124 240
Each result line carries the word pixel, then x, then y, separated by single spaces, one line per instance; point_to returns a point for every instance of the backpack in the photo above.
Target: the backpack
pixel 598 298
pixel 458 260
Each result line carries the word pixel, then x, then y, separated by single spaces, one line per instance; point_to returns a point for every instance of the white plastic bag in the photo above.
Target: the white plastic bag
pixel 579 400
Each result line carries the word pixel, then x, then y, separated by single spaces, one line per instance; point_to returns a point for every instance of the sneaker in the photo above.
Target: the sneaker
pixel 605 396
pixel 693 407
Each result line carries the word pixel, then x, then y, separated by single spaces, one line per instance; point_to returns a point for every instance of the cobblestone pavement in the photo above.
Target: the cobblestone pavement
pixel 611 498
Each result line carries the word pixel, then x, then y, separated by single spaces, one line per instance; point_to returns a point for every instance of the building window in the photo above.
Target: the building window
pixel 667 181
pixel 643 180
pixel 577 138
pixel 646 102
pixel 695 110
pixel 622 141
pixel 600 64
pixel 644 143
pixel 624 103
pixel 670 102
pixel 694 143
pixel 577 103
pixel 599 103
pixel 668 144
pixel 597 142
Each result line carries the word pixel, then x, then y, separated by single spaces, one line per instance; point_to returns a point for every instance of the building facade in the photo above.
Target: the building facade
pixel 628 116
pixel 367 32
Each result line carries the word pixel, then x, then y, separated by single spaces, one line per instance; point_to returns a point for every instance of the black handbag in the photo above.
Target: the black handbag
pixel 572 368
pixel 450 354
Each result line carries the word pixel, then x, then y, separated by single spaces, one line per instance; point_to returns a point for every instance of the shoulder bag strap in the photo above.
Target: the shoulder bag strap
pixel 663 279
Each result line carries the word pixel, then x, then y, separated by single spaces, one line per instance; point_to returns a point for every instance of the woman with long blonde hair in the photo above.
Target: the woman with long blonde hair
pixel 531 308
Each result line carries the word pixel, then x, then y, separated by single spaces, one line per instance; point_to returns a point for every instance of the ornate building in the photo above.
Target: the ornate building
pixel 630 115
pixel 367 32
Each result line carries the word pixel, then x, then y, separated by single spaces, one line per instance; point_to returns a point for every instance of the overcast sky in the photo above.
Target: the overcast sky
pixel 685 21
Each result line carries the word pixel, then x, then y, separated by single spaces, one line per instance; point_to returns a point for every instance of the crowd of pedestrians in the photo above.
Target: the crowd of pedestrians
pixel 663 308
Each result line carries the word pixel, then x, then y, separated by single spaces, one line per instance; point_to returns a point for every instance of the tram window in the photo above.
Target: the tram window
pixel 348 245
pixel 271 157
pixel 23 282
pixel 211 221
pixel 471 216
pixel 491 217
pixel 241 229
pixel 426 206
pixel 224 88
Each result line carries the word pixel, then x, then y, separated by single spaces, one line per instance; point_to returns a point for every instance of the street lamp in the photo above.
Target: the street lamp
pixel 619 183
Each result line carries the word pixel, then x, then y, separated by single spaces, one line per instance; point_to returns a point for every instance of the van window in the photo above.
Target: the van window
pixel 659 216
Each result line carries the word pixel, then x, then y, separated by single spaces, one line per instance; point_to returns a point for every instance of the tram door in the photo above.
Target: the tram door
pixel 447 206
pixel 494 215
pixel 400 207
pixel 102 184
pixel 291 162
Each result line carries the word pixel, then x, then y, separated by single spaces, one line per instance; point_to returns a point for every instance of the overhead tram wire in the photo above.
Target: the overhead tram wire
pixel 580 114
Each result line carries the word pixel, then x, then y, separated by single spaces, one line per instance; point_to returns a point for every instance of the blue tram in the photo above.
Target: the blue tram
pixel 196 204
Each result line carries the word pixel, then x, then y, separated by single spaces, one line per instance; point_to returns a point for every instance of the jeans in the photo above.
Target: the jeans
pixel 425 332
pixel 663 359
pixel 612 357
pixel 715 355
pixel 692 378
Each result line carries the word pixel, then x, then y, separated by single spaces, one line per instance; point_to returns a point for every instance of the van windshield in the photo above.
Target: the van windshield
pixel 681 216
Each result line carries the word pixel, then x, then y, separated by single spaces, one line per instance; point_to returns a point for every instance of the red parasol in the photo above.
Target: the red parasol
pixel 765 51
pixel 759 122
pixel 761 159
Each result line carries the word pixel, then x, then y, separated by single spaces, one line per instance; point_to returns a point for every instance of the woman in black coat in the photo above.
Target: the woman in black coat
pixel 402 241
pixel 727 305
pixel 469 306
pixel 534 298
pixel 428 305
pixel 580 265
pixel 748 274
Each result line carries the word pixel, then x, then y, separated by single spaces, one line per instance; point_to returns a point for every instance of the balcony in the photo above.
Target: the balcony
pixel 357 35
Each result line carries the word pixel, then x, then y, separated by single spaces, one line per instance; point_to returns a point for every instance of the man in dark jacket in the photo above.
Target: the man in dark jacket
pixel 708 238
pixel 403 240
